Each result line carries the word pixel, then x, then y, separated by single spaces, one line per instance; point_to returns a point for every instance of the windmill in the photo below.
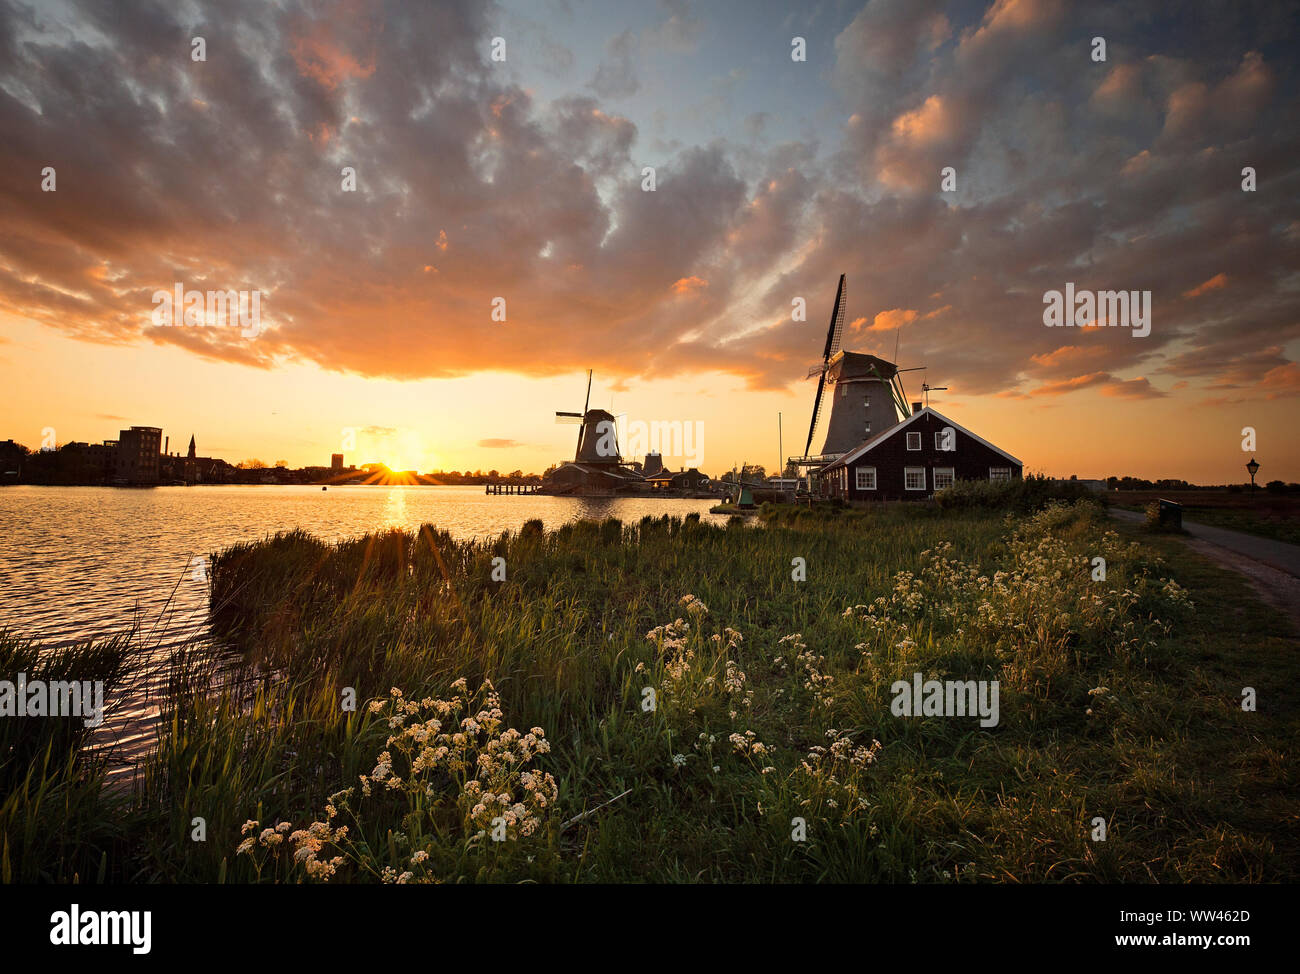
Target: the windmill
pixel 870 397
pixel 577 419
pixel 833 336
pixel 597 442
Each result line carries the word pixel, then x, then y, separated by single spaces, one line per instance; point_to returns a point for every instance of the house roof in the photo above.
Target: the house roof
pixel 879 438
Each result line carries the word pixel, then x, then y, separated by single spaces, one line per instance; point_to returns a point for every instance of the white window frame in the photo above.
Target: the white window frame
pixel 858 478
pixel 917 441
pixel 994 473
pixel 911 470
pixel 952 477
pixel 938 442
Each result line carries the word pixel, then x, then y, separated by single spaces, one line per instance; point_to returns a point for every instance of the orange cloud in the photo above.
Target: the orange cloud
pixel 1071 355
pixel 1063 386
pixel 319 51
pixel 1215 283
pixel 1138 388
pixel 930 123
pixel 689 285
pixel 895 317
pixel 1282 381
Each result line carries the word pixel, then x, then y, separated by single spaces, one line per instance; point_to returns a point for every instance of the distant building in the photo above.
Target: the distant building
pixel 336 462
pixel 96 462
pixel 139 450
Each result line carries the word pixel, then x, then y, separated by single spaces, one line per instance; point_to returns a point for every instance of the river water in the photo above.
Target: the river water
pixel 84 562
pixel 77 562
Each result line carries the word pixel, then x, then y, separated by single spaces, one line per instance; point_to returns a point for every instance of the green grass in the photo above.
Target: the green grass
pixel 1192 788
pixel 57 821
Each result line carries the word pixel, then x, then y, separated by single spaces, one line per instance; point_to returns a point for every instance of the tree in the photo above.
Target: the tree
pixel 282 464
pixel 251 465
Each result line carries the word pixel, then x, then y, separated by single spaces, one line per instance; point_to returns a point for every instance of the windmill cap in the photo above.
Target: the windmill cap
pixel 860 365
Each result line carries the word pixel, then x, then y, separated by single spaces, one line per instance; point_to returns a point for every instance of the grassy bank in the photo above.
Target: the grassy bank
pixel 661 701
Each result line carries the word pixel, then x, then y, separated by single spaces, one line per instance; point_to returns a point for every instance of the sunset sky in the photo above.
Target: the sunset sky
pixel 522 179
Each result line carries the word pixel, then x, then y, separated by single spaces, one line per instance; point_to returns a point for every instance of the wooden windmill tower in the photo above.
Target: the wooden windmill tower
pixel 597 436
pixel 866 393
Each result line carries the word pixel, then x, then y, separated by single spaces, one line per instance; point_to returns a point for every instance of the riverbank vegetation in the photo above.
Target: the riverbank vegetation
pixel 676 701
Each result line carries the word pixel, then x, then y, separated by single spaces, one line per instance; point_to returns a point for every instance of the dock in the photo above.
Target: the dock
pixel 503 487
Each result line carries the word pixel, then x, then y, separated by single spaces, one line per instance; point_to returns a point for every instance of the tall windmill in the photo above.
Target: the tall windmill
pixel 833 335
pixel 577 419
pixel 597 442
pixel 867 394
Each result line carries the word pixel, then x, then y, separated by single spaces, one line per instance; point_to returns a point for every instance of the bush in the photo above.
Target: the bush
pixel 1027 494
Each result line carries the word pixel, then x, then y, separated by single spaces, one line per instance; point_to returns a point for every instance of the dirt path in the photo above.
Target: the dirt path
pixel 1272 567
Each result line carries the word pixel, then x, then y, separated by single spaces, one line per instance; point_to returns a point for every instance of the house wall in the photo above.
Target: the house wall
pixel 970 460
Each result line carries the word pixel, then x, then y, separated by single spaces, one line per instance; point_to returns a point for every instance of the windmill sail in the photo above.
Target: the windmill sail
pixel 836 332
pixel 833 336
pixel 817 408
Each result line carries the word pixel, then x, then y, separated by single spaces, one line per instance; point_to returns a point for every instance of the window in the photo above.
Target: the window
pixel 866 401
pixel 914 441
pixel 866 478
pixel 914 477
pixel 844 391
pixel 939 443
pixel 999 473
pixel 943 477
pixel 868 426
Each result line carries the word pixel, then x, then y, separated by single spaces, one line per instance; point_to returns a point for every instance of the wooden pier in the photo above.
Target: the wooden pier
pixel 501 487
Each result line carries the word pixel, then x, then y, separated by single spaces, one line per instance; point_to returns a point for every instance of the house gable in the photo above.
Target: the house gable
pixel 893 431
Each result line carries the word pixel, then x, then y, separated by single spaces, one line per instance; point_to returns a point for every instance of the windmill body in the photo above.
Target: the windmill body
pixel 860 388
pixel 598 443
pixel 865 395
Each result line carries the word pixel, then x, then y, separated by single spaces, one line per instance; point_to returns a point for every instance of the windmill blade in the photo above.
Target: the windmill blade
pixel 836 330
pixel 900 396
pixel 818 369
pixel 817 408
pixel 568 419
pixel 582 423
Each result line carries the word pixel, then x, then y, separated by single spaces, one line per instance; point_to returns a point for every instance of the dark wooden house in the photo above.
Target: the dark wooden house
pixel 924 453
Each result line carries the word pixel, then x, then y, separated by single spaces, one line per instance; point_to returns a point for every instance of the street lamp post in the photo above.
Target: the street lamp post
pixel 1253 466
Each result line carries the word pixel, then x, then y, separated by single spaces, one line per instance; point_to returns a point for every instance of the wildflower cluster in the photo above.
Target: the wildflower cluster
pixel 463 778
pixel 1045 603
pixel 812 669
pixel 306 845
pixel 836 774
